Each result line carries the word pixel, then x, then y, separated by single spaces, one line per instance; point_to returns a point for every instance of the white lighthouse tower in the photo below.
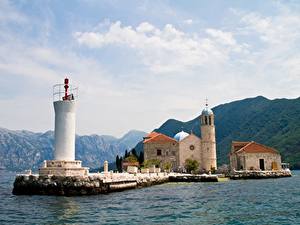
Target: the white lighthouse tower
pixel 64 163
pixel 65 114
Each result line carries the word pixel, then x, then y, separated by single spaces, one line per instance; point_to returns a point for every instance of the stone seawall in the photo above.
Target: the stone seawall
pixel 85 185
pixel 193 178
pixel 237 175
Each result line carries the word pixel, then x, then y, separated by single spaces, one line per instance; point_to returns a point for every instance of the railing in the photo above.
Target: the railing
pixel 59 92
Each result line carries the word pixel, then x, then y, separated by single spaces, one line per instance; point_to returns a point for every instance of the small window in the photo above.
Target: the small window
pixel 192 147
pixel 206 120
pixel 173 153
pixel 158 151
pixel 167 153
pixel 209 120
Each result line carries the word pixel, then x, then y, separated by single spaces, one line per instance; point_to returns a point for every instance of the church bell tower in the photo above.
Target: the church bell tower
pixel 208 140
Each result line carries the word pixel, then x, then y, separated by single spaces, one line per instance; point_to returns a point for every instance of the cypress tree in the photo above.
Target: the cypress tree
pixel 118 162
pixel 141 157
pixel 133 151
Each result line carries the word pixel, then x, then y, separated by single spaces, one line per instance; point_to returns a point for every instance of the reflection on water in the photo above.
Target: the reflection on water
pixel 64 208
pixel 272 201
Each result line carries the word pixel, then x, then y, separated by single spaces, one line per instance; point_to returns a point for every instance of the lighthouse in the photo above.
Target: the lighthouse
pixel 64 163
pixel 64 132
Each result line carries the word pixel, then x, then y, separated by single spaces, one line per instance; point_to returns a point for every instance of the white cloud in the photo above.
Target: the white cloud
pixel 280 29
pixel 188 21
pixel 225 38
pixel 9 13
pixel 167 49
pixel 247 55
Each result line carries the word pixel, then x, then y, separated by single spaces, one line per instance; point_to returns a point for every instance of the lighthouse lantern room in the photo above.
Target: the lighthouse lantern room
pixel 64 163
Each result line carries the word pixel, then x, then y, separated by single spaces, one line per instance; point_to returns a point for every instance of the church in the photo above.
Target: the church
pixel 176 150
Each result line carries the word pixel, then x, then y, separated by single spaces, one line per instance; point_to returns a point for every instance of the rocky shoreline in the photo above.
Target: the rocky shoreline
pixel 100 183
pixel 96 183
pixel 238 175
pixel 84 185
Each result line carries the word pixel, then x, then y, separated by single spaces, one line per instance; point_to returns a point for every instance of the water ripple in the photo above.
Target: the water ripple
pixel 272 201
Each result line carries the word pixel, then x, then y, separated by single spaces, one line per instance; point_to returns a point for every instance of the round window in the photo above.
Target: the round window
pixel 192 147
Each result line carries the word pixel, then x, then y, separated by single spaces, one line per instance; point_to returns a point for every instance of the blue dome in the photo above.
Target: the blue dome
pixel 207 111
pixel 181 135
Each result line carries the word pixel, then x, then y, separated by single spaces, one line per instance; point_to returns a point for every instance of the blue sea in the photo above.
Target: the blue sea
pixel 271 201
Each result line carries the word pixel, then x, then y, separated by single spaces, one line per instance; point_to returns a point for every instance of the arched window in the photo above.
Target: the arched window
pixel 205 120
pixel 209 120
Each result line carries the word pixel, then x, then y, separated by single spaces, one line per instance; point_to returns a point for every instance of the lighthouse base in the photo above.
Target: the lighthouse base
pixel 63 168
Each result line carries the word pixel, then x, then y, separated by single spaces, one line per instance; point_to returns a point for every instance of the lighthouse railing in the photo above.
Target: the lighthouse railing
pixel 59 92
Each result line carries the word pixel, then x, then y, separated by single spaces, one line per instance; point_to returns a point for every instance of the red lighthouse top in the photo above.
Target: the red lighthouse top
pixel 67 96
pixel 65 91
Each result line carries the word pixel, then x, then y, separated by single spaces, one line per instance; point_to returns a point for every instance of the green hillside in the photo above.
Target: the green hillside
pixel 275 123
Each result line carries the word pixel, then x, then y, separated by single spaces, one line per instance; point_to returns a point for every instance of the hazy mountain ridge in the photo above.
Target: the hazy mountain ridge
pixel 21 150
pixel 275 123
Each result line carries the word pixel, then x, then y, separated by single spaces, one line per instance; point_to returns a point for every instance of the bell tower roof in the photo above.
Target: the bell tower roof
pixel 207 111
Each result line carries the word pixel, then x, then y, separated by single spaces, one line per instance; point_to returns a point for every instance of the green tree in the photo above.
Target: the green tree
pixel 141 157
pixel 131 158
pixel 167 166
pixel 118 163
pixel 133 152
pixel 151 162
pixel 126 154
pixel 191 165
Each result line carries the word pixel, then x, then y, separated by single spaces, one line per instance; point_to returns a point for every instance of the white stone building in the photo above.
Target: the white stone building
pixel 253 156
pixel 185 146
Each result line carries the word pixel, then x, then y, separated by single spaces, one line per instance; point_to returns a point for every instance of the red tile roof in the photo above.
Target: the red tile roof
pixel 253 147
pixel 152 134
pixel 158 137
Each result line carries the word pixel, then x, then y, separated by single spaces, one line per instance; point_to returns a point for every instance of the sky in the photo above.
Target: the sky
pixel 139 63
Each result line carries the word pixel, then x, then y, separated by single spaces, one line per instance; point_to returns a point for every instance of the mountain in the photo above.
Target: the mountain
pixel 21 150
pixel 275 123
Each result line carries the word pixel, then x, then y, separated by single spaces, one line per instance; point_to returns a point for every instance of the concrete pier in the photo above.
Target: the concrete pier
pixel 98 183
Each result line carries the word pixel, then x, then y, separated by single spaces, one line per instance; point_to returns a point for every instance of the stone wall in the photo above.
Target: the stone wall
pixel 86 185
pixel 62 163
pixel 250 161
pixel 169 152
pixel 237 175
pixel 60 171
pixel 190 148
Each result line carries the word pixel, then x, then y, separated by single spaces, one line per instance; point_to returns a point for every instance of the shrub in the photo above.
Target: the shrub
pixel 151 162
pixel 191 165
